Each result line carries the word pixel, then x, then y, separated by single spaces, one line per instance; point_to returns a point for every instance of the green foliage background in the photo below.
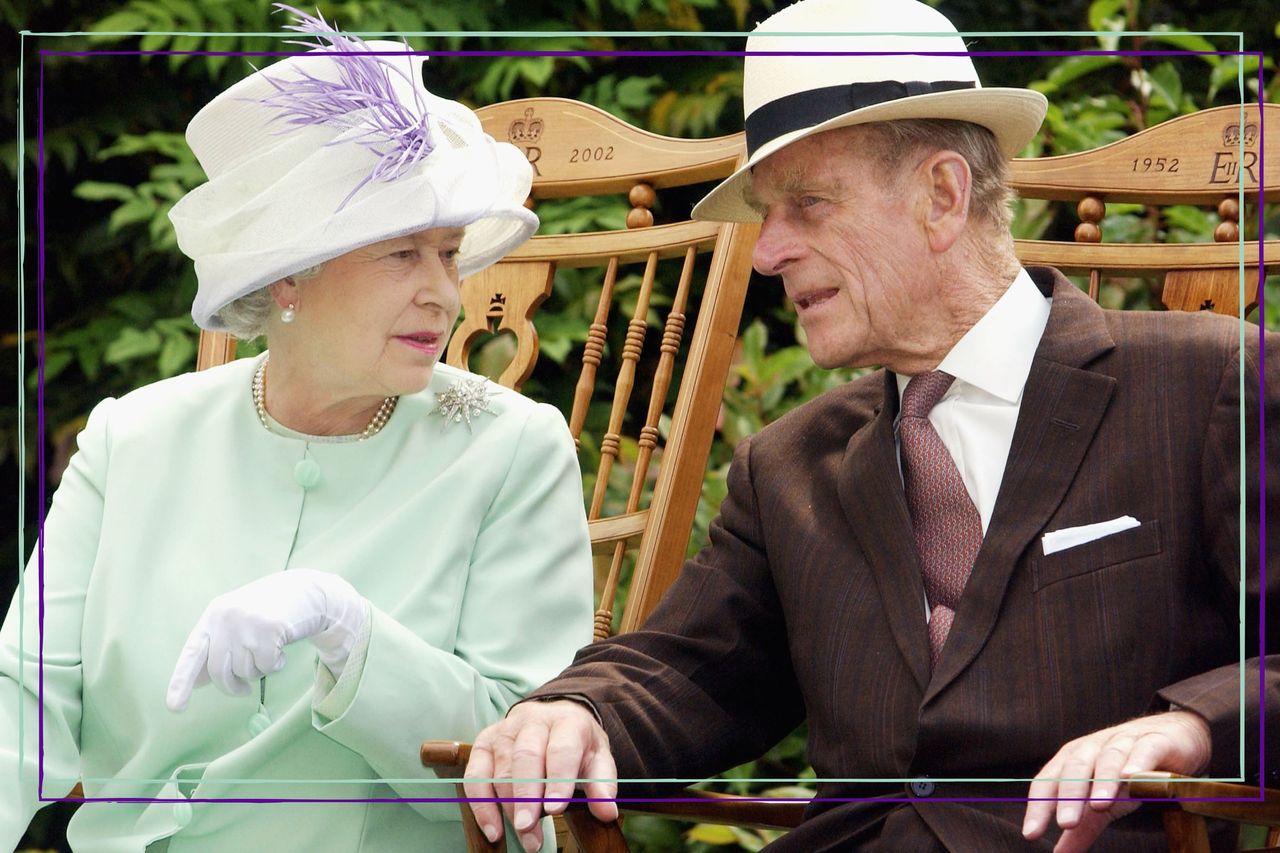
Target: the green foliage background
pixel 117 291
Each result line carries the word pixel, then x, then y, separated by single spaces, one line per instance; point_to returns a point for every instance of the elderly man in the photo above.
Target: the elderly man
pixel 888 563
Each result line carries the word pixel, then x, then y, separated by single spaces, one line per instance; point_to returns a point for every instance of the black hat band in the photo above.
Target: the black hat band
pixel 814 106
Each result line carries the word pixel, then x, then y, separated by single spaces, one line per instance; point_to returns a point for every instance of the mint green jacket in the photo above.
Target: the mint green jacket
pixel 470 545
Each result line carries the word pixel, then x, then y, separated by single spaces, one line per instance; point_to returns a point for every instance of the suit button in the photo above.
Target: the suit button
pixel 182 814
pixel 307 473
pixel 922 787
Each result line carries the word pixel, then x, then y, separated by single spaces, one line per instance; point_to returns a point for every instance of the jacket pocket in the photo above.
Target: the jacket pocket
pixel 1131 544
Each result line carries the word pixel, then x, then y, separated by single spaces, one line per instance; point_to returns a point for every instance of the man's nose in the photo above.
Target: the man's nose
pixel 776 247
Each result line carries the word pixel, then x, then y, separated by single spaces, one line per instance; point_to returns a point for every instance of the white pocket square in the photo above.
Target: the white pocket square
pixel 1070 537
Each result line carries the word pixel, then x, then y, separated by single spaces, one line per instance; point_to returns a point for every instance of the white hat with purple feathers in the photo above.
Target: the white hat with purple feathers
pixel 334 149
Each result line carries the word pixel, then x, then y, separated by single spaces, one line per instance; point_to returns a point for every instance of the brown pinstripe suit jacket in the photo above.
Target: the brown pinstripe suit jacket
pixel 808 601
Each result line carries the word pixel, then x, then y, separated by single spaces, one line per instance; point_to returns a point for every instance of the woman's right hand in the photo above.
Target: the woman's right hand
pixel 558 740
pixel 241 635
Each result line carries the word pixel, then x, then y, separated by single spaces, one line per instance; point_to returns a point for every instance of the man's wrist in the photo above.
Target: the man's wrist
pixel 1199 733
pixel 576 698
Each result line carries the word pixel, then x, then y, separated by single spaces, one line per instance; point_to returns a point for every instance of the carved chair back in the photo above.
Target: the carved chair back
pixel 1211 159
pixel 651 282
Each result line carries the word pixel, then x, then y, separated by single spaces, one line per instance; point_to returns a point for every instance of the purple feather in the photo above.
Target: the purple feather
pixel 363 99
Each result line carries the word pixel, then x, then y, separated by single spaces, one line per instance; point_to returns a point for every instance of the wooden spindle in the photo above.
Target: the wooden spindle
pixel 642 197
pixel 1228 230
pixel 672 334
pixel 631 349
pixel 1091 209
pixel 602 629
pixel 592 352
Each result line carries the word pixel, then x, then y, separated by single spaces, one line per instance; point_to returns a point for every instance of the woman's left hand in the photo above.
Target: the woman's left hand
pixel 241 635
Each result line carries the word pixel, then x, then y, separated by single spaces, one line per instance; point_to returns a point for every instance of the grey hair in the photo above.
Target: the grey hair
pixel 990 194
pixel 246 317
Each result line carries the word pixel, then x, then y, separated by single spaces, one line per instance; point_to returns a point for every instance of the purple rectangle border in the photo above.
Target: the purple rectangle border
pixel 40 405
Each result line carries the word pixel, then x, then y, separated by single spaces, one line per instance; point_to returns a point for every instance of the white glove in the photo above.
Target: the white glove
pixel 241 635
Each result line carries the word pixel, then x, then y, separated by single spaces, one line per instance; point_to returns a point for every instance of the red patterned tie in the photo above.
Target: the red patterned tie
pixel 947 528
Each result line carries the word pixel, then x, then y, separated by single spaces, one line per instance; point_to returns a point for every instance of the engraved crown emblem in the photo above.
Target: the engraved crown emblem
pixel 497 306
pixel 525 130
pixel 1231 134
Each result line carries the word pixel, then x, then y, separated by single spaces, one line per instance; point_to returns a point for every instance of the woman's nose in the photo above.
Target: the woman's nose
pixel 438 285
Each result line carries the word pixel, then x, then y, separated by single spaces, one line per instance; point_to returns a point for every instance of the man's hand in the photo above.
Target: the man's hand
pixel 539 740
pixel 1092 768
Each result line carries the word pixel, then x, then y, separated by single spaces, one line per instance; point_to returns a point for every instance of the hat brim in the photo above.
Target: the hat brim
pixel 486 241
pixel 1013 115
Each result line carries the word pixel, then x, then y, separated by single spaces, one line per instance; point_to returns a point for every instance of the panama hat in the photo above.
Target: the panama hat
pixel 334 149
pixel 819 65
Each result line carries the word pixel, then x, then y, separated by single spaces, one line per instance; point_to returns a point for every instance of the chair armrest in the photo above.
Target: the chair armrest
pixel 1221 800
pixel 726 808
pixel 448 758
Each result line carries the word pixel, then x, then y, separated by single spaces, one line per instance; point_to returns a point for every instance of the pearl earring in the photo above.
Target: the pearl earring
pixel 287 315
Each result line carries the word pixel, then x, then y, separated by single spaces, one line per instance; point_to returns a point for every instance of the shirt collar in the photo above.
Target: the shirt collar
pixel 995 355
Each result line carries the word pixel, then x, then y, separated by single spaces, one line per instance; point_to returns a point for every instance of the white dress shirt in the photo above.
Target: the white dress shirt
pixel 976 417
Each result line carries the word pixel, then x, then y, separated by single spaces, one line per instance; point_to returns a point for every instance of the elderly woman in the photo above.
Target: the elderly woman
pixel 356 546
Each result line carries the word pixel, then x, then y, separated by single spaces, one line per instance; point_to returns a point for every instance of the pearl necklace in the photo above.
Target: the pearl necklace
pixel 376 423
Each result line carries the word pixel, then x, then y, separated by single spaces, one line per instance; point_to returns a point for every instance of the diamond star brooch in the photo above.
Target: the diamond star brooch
pixel 464 400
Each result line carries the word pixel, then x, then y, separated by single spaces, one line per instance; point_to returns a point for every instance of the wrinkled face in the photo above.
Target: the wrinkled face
pixel 848 243
pixel 376 320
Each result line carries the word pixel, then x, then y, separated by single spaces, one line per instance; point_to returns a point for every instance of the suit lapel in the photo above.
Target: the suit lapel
pixel 870 489
pixel 1062 407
